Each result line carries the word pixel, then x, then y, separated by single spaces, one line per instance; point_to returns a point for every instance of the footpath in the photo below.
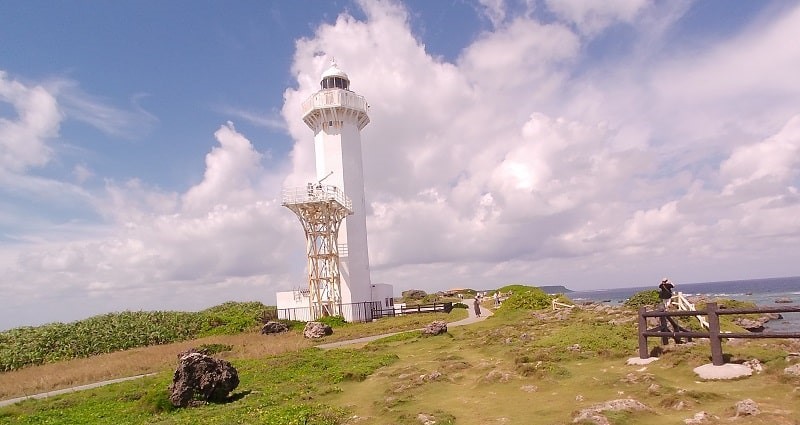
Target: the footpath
pixel 471 319
pixel 485 312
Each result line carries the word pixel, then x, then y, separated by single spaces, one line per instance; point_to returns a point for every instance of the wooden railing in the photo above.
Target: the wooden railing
pixel 684 305
pixel 556 305
pixel 713 334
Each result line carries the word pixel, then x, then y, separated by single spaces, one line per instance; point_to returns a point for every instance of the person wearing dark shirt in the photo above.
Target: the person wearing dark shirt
pixel 665 292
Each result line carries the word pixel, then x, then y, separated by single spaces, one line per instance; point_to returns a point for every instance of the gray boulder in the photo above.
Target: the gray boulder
pixel 200 379
pixel 793 370
pixel 435 328
pixel 749 324
pixel 273 328
pixel 747 407
pixel 316 330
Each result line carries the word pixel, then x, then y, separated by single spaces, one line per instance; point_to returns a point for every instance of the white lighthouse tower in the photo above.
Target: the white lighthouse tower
pixel 336 115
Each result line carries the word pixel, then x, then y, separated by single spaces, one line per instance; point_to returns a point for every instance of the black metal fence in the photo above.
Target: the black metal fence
pixel 353 312
pixel 714 335
pixel 365 311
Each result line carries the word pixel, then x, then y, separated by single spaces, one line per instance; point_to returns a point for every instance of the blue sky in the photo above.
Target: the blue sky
pixel 143 145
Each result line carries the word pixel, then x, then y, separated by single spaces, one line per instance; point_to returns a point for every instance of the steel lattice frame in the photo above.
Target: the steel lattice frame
pixel 321 210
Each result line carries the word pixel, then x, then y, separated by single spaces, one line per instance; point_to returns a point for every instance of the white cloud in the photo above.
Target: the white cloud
pixel 495 11
pixel 129 123
pixel 592 16
pixel 512 156
pixel 523 161
pixel 23 139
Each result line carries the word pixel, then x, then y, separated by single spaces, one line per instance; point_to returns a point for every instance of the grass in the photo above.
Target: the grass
pixel 521 367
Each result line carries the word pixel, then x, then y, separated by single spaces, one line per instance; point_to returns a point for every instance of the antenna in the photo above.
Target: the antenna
pixel 323 179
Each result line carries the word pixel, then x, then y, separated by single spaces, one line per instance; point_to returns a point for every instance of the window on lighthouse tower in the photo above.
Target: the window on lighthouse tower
pixel 335 83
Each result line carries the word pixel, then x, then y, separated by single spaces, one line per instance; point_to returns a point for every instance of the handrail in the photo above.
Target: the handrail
pixel 714 334
pixel 335 98
pixel 556 304
pixel 684 305
pixel 315 193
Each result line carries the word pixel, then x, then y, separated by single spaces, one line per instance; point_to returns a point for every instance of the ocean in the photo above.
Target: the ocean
pixel 762 292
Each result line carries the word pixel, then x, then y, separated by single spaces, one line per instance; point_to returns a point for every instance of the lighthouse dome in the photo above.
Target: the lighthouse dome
pixel 334 78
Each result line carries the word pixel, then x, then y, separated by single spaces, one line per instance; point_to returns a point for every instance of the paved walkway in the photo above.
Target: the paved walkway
pixel 70 390
pixel 485 312
pixel 471 319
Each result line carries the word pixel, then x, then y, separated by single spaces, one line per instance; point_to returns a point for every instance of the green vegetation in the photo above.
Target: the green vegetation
pixel 279 390
pixel 54 342
pixel 528 362
pixel 529 298
pixel 332 321
pixel 643 298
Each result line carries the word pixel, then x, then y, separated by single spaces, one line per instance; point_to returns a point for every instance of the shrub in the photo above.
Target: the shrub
pixel 232 317
pixel 414 294
pixel 532 299
pixel 333 321
pixel 105 333
pixel 643 298
pixel 460 305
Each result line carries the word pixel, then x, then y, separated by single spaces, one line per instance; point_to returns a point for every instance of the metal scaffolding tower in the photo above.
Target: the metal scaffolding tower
pixel 321 209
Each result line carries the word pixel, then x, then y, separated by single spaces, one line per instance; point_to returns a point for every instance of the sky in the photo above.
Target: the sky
pixel 592 144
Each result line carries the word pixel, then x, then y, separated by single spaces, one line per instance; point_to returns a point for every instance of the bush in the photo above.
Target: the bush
pixel 460 305
pixel 105 333
pixel 232 318
pixel 333 321
pixel 643 298
pixel 414 294
pixel 531 299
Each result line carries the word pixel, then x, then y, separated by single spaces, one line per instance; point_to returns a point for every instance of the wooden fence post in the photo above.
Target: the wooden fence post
pixel 713 335
pixel 643 354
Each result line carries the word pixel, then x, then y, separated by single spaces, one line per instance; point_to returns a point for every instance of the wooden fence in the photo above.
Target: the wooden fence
pixel 714 335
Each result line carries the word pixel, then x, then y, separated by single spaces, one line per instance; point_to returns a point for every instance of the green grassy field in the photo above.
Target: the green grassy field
pixel 517 367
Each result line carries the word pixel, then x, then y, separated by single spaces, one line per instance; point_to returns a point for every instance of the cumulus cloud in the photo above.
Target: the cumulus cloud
pixel 23 139
pixel 521 161
pixel 513 158
pixel 158 250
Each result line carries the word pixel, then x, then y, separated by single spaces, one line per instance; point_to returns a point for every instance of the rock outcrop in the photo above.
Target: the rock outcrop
pixel 273 328
pixel 435 328
pixel 316 330
pixel 200 379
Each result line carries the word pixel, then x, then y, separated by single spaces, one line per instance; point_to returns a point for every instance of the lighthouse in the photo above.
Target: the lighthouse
pixel 332 210
pixel 336 115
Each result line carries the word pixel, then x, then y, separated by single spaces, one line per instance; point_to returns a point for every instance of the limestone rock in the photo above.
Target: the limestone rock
pixel 750 324
pixel 200 378
pixel 699 418
pixel 793 370
pixel 435 328
pixel 316 330
pixel 273 328
pixel 426 419
pixel 594 414
pixel 754 364
pixel 747 407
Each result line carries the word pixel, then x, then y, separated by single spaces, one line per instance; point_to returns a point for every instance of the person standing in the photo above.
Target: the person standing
pixel 665 292
pixel 477 306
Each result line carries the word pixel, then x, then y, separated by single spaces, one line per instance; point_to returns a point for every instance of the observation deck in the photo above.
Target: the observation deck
pixel 313 193
pixel 335 105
